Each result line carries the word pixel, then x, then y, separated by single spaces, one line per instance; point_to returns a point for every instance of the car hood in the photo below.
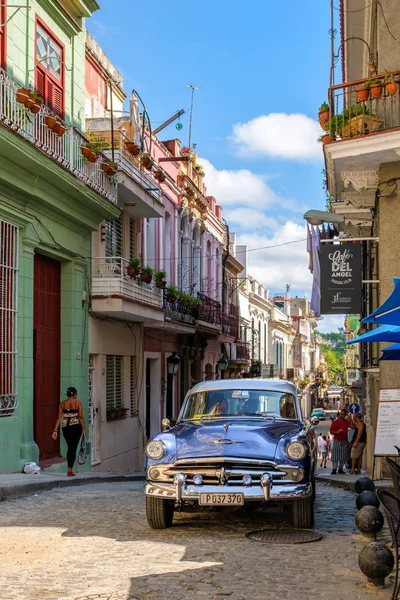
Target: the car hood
pixel 242 438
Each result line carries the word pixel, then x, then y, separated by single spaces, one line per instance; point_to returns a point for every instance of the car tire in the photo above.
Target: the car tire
pixel 159 512
pixel 303 513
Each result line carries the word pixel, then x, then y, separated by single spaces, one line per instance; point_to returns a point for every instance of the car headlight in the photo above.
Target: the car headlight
pixel 155 449
pixel 296 450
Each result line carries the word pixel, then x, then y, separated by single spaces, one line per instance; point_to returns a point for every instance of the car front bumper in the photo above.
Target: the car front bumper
pixel 275 491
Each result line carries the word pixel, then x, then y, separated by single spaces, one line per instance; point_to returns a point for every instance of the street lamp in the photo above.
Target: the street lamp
pixel 318 217
pixel 173 362
pixel 222 365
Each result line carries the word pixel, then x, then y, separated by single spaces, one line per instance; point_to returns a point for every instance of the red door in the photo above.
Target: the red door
pixel 47 333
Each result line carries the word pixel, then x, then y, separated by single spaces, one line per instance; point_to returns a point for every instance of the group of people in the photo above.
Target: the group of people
pixel 344 444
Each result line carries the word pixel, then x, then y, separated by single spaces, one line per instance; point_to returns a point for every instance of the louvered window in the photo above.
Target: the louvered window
pixel 114 237
pixel 49 70
pixel 132 238
pixel 114 384
pixel 2 37
pixel 8 317
pixel 133 384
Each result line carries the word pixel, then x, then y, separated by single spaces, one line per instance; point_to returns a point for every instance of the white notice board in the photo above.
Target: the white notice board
pixel 389 394
pixel 388 429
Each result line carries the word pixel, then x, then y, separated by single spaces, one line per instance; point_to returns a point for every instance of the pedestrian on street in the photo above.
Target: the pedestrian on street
pixel 329 445
pixel 324 451
pixel 358 443
pixel 70 415
pixel 339 430
pixel 319 444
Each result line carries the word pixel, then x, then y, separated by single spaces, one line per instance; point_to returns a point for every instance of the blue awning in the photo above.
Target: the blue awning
pixel 389 311
pixel 384 333
pixel 391 352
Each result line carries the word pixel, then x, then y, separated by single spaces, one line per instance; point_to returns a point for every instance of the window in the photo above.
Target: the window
pixel 8 317
pixel 114 383
pixel 3 19
pixel 132 239
pixel 49 70
pixel 114 237
pixel 133 391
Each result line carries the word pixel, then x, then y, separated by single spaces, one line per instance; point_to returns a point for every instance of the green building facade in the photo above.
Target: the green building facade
pixel 51 200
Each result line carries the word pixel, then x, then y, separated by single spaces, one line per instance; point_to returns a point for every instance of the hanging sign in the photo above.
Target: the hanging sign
pixel 341 279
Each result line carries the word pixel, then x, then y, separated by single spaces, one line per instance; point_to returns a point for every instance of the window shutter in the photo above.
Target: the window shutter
pixel 49 94
pixel 57 103
pixel 2 37
pixel 40 83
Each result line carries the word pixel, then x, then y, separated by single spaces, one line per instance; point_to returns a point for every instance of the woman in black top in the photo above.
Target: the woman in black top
pixel 70 415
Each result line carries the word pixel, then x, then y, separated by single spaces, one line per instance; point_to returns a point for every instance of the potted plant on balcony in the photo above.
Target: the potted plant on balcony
pixel 323 114
pixel 60 128
pixel 133 148
pixel 133 268
pixel 50 121
pixel 37 103
pixel 146 274
pixel 372 64
pixel 109 168
pixel 391 85
pixel 147 161
pixel 172 294
pixel 375 86
pixel 324 139
pixel 159 175
pixel 185 299
pixel 22 95
pixel 159 278
pixel 362 93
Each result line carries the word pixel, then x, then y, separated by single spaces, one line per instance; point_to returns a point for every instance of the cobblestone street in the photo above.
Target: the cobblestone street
pixel 94 543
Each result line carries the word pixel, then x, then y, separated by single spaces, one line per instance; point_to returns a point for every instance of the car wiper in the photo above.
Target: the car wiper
pixel 260 416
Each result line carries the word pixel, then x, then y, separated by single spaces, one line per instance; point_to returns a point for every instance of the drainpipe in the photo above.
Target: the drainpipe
pixel 73 86
pixel 27 46
pixel 224 267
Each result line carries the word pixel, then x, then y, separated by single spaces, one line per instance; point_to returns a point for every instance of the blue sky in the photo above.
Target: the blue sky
pixel 263 70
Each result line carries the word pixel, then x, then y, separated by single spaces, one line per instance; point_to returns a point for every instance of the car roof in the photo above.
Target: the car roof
pixel 278 385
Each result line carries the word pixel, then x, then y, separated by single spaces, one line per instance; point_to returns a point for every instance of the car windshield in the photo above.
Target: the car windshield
pixel 237 403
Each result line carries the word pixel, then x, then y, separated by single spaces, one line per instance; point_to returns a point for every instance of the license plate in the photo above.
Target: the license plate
pixel 206 499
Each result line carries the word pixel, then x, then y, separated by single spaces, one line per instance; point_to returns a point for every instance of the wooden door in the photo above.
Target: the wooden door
pixel 47 334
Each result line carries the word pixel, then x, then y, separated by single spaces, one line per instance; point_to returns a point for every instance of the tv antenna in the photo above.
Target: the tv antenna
pixel 193 89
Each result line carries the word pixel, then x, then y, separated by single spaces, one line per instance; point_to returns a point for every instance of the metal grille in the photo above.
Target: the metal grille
pixel 8 317
pixel 285 536
pixel 114 239
pixel 114 383
pixel 91 369
pixel 133 391
pixel 132 238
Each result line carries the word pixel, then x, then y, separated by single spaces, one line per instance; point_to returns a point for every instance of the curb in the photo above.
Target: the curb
pixel 26 489
pixel 345 485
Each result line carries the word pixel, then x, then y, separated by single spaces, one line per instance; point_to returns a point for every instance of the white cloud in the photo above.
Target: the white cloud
pixel 284 264
pixel 292 136
pixel 237 187
pixel 331 323
pixel 249 218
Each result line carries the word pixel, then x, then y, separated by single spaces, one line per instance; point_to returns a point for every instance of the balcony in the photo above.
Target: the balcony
pixel 139 193
pixel 116 294
pixel 65 149
pixel 230 322
pixel 179 313
pixel 209 315
pixel 242 350
pixel 363 131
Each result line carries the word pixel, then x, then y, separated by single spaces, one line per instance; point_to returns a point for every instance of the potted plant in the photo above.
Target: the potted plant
pixel 375 86
pixel 37 103
pixel 60 128
pixel 185 150
pixel 147 161
pixel 112 168
pixel 159 277
pixel 196 302
pixel 172 293
pixel 185 299
pixel 159 175
pixel 372 64
pixel 134 267
pixel 391 85
pixel 323 114
pixel 199 169
pixel 362 93
pixel 132 148
pixel 88 153
pixel 22 95
pixel 146 274
pixel 50 121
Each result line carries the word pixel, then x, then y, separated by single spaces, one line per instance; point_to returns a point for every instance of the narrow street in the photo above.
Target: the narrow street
pixel 94 543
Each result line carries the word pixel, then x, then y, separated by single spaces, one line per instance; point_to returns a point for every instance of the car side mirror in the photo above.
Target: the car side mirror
pixel 168 423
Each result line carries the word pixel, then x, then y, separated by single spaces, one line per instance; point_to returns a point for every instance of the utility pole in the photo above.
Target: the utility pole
pixel 193 88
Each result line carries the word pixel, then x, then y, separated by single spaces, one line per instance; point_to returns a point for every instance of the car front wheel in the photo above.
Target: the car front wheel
pixel 159 512
pixel 303 513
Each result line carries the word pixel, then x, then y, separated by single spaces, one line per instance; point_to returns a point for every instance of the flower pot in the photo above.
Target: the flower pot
pixel 132 148
pixel 56 127
pixel 325 138
pixel 85 152
pixel 92 157
pixel 60 130
pixel 171 298
pixel 147 163
pixel 372 68
pixel 146 278
pixel 160 283
pixel 105 167
pixel 22 95
pixel 392 87
pixel 159 176
pixel 323 118
pixel 132 271
pixel 111 171
pixel 376 90
pixel 362 93
pixel 51 122
pixel 29 102
pixel 35 108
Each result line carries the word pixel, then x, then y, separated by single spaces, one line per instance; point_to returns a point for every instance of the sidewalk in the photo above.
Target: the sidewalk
pixel 15 485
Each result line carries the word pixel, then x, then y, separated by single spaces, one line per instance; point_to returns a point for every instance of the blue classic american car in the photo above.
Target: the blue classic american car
pixel 235 441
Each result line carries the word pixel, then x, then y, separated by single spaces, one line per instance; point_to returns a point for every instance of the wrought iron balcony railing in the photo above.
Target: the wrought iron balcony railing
pixel 63 149
pixel 209 310
pixel 177 311
pixel 242 350
pixel 359 108
pixel 110 279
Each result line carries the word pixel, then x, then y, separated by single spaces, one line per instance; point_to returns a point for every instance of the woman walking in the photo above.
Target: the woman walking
pixel 358 443
pixel 70 415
